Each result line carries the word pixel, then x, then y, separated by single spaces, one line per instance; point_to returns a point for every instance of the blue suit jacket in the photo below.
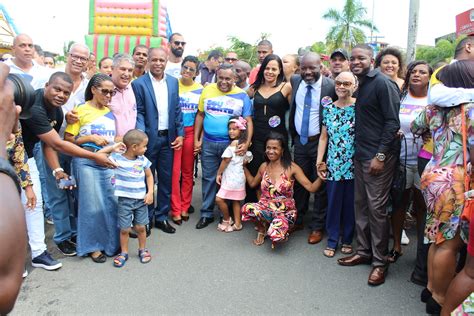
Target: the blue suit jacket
pixel 147 112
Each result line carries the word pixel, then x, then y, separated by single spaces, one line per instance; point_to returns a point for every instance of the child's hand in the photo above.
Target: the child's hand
pixel 119 147
pixel 218 179
pixel 149 198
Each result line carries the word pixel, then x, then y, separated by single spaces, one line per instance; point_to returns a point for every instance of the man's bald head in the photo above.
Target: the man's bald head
pixel 79 47
pixel 311 56
pixel 310 67
pixel 23 50
pixel 242 69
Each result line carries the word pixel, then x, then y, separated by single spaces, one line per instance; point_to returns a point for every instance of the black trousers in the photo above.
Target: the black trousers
pixel 305 156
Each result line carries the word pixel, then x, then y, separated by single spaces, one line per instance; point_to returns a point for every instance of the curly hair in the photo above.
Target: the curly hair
pixel 410 67
pixel 394 52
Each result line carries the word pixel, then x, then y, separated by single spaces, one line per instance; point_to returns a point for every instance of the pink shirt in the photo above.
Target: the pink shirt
pixel 124 107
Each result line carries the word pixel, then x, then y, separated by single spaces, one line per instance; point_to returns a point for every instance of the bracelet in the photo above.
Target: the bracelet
pixel 57 170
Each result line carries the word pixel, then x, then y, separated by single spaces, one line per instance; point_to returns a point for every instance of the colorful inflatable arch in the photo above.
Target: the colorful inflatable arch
pixel 8 31
pixel 119 26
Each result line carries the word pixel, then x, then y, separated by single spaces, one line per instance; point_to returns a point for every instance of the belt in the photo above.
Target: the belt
pixel 313 138
pixel 91 149
pixel 163 132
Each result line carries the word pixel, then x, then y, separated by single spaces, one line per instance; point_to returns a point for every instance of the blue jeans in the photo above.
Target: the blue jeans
pixel 161 158
pixel 97 227
pixel 210 161
pixel 40 164
pixel 61 203
pixel 340 214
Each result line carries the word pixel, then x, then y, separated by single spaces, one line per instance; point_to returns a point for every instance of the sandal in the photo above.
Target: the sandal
pixel 260 239
pixel 177 220
pixel 233 228
pixel 393 256
pixel 329 252
pixel 346 249
pixel 99 259
pixel 225 225
pixel 185 216
pixel 144 255
pixel 120 260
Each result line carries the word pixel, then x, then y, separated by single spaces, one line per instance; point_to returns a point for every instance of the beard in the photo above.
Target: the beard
pixel 178 52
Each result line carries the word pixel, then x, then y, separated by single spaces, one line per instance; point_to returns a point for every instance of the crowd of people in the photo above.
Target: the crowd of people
pixel 112 150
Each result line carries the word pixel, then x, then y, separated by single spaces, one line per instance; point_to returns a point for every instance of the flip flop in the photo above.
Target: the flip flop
pixel 99 259
pixel 329 252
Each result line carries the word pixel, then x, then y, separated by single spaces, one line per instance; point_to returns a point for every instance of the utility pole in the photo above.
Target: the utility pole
pixel 412 30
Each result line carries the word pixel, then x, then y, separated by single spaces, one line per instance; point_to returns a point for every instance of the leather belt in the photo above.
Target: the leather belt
pixel 163 132
pixel 313 138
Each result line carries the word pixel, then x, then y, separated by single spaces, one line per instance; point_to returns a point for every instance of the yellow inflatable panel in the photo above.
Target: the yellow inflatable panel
pixel 123 30
pixel 125 22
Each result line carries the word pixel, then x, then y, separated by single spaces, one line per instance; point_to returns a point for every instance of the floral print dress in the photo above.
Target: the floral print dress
pixel 276 206
pixel 442 182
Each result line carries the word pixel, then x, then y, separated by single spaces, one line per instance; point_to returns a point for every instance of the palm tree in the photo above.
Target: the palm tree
pixel 347 30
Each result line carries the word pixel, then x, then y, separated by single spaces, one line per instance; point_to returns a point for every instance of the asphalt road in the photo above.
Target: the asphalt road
pixel 209 272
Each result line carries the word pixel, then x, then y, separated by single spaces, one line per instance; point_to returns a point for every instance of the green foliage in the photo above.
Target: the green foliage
pixel 320 48
pixel 442 52
pixel 347 30
pixel 246 51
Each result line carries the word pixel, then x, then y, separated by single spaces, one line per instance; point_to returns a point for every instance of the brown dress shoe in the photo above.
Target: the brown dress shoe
pixel 377 275
pixel 315 236
pixel 353 260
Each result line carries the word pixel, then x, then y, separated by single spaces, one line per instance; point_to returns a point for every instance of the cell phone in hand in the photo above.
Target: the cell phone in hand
pixel 66 183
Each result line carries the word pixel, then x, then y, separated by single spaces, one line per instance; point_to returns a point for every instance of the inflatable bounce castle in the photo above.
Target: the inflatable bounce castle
pixel 8 31
pixel 119 26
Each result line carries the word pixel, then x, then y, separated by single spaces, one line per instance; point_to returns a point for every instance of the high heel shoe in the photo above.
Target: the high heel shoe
pixel 185 217
pixel 432 307
pixel 177 220
pixel 425 295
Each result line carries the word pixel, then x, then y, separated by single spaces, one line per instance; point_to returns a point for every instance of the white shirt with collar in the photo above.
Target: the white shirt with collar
pixel 160 88
pixel 37 75
pixel 314 128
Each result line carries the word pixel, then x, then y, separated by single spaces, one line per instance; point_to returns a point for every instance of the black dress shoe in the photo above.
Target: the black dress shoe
pixel 165 226
pixel 191 209
pixel 203 222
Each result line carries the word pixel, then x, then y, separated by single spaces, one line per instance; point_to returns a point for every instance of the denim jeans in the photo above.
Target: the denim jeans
pixel 34 217
pixel 61 203
pixel 210 161
pixel 40 164
pixel 97 228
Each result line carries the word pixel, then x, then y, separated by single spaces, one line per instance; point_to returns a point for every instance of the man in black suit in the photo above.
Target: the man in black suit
pixel 306 110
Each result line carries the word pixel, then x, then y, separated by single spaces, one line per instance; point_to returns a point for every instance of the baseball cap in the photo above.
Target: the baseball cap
pixel 341 51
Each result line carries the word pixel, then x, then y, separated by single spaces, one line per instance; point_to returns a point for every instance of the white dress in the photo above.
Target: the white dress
pixel 233 178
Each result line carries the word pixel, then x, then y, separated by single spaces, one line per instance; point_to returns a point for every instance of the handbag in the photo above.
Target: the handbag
pixel 468 209
pixel 399 181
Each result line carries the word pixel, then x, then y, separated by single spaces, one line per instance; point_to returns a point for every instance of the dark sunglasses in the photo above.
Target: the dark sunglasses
pixel 178 43
pixel 190 69
pixel 105 92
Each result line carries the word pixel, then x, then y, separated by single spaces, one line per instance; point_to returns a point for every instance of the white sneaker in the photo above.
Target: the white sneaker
pixel 405 239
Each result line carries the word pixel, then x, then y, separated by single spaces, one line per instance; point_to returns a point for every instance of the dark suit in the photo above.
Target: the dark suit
pixel 305 156
pixel 159 150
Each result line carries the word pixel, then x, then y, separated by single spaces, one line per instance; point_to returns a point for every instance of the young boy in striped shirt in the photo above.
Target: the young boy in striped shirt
pixel 133 198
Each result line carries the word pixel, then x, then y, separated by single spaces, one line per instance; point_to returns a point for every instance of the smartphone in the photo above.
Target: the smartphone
pixel 66 183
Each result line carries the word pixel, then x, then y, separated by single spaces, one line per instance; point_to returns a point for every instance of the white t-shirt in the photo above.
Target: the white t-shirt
pixel 173 69
pixel 410 107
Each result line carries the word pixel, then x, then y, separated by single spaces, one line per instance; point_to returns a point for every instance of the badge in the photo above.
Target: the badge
pixel 274 121
pixel 326 101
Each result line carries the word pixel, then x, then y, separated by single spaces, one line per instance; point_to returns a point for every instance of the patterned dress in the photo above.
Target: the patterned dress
pixel 276 207
pixel 442 182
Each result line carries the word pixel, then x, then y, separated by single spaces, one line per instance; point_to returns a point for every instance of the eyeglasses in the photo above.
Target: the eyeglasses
pixel 190 69
pixel 105 92
pixel 79 58
pixel 345 84
pixel 230 59
pixel 178 43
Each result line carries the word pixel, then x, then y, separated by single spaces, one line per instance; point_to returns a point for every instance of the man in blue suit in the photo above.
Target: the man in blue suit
pixel 159 116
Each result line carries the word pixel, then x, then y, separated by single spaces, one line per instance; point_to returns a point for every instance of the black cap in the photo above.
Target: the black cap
pixel 341 51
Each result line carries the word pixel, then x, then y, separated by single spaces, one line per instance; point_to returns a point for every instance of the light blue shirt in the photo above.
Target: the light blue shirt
pixel 314 128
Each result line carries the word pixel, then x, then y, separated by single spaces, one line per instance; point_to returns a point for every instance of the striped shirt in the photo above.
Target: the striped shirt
pixel 130 176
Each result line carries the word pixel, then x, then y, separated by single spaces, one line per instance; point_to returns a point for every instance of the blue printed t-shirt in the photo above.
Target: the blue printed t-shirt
pixel 188 101
pixel 340 125
pixel 130 176
pixel 93 121
pixel 219 107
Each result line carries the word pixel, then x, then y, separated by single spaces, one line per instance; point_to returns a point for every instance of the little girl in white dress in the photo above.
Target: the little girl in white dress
pixel 231 177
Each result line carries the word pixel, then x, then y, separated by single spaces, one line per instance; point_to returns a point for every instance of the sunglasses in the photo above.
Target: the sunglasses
pixel 230 59
pixel 106 92
pixel 345 84
pixel 190 69
pixel 178 43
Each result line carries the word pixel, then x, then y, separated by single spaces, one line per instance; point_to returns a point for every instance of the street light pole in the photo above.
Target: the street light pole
pixel 412 30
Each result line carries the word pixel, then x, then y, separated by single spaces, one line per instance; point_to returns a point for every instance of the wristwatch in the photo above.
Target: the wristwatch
pixel 6 168
pixel 380 157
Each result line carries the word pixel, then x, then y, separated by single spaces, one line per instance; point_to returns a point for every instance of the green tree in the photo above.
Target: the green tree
pixel 320 48
pixel 442 52
pixel 347 30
